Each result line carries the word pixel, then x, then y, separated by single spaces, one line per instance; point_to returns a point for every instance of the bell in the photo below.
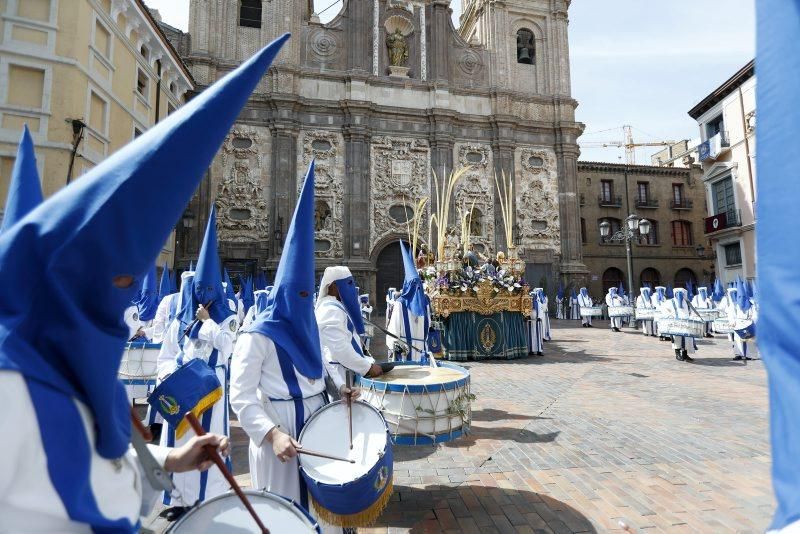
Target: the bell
pixel 524 56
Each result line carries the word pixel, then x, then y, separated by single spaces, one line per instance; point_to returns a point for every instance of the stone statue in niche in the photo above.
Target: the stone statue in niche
pixel 322 217
pixel 398 48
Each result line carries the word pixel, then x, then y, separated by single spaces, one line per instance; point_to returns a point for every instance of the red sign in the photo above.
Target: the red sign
pixel 716 223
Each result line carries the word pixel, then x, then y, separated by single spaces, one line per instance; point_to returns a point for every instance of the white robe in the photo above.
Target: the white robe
pixel 613 301
pixel 338 340
pixel 735 314
pixel 648 326
pixel 419 334
pixel 574 309
pixel 679 312
pixel 211 336
pixel 585 302
pixel 559 308
pixel 701 303
pixel 536 329
pixel 28 500
pixel 544 315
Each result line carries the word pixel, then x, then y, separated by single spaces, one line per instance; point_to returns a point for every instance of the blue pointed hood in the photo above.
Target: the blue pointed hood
pixel 261 281
pixel 621 290
pixel 262 296
pixel 208 274
pixel 61 317
pixel 165 285
pixel 24 189
pixel 289 319
pixel 248 299
pixel 412 294
pixel 742 299
pixel 147 302
pixel 560 292
pixel 229 292
pixel 574 295
pixel 689 288
pixel 584 292
pixel 719 292
pixel 670 291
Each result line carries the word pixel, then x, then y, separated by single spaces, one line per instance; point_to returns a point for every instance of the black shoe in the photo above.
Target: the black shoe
pixel 590 326
pixel 710 335
pixel 539 353
pixel 531 353
pixel 678 355
pixel 738 358
pixel 653 335
pixel 174 513
pixel 686 357
pixel 615 329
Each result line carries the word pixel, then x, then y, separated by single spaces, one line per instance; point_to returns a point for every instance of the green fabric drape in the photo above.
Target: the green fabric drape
pixel 470 336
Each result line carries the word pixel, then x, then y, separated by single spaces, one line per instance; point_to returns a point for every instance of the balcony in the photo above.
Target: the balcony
pixel 723 221
pixel 714 146
pixel 646 203
pixel 681 204
pixel 605 201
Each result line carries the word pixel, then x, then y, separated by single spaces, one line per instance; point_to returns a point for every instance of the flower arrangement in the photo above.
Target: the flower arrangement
pixel 465 282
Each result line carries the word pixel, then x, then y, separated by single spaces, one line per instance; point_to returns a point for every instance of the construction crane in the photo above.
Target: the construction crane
pixel 629 146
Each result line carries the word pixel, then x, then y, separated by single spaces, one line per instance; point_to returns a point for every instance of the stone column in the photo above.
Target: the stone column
pixel 572 267
pixel 357 187
pixel 441 142
pixel 359 38
pixel 285 176
pixel 423 44
pixel 440 33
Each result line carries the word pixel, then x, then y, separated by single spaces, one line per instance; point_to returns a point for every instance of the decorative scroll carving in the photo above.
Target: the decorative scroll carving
pixel 323 45
pixel 476 186
pixel 537 198
pixel 400 174
pixel 242 213
pixel 470 63
pixel 485 301
pixel 324 147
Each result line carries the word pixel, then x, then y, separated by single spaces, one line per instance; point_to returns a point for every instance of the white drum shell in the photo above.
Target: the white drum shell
pixel 681 327
pixel 707 314
pixel 722 326
pixel 139 368
pixel 646 314
pixel 620 311
pixel 591 311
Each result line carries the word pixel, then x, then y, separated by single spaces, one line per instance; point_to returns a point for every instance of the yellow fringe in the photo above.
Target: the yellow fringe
pixel 361 519
pixel 204 404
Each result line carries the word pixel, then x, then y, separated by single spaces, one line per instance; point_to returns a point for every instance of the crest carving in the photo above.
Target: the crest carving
pixel 324 148
pixel 473 187
pixel 537 199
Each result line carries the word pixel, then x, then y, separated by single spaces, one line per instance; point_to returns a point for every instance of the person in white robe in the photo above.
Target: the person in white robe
pixel 574 307
pixel 659 299
pixel 645 302
pixel 613 300
pixel 260 305
pixel 678 308
pixel 738 309
pixel 366 314
pixel 411 317
pixel 535 327
pixel 544 312
pixel 703 301
pixel 585 301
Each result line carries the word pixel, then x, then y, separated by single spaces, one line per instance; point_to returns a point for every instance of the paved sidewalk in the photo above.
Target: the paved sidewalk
pixel 605 427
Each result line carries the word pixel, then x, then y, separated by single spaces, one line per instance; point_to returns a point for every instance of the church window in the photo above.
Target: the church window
pixel 536 161
pixel 526 47
pixel 474 157
pixel 322 245
pixel 250 13
pixel 241 142
pixel 401 213
pixel 321 145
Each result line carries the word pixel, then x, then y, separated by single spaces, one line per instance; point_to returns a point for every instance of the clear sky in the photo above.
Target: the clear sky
pixel 638 62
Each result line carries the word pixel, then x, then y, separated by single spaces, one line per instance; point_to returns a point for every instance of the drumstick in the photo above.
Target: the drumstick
pixel 191 325
pixel 301 450
pixel 217 459
pixel 349 379
pixel 137 424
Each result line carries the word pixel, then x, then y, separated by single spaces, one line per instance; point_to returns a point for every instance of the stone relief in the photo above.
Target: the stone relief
pixel 537 198
pixel 323 45
pixel 477 186
pixel 242 213
pixel 324 148
pixel 470 63
pixel 400 174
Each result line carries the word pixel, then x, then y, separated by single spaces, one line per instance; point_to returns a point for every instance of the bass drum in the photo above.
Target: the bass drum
pixel 226 513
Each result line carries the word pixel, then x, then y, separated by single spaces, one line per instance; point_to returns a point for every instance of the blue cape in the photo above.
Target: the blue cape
pixel 289 319
pixel 670 292
pixel 560 292
pixel 68 332
pixel 147 302
pixel 412 294
pixel 165 286
pixel 348 294
pixel 742 299
pixel 719 292
pixel 208 274
pixel 24 189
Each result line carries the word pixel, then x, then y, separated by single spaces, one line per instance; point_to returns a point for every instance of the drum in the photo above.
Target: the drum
pixel 345 494
pixel 591 311
pixel 645 314
pixel 226 513
pixel 681 327
pixel 745 329
pixel 707 314
pixel 620 311
pixel 722 326
pixel 422 404
pixel 139 368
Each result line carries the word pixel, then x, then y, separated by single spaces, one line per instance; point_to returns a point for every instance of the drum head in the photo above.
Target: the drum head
pixel 420 375
pixel 226 514
pixel 327 431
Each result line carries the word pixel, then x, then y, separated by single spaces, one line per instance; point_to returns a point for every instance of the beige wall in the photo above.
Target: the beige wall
pixel 80 59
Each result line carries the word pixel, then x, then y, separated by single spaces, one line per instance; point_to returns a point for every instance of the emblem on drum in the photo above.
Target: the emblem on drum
pixel 169 404
pixel 380 480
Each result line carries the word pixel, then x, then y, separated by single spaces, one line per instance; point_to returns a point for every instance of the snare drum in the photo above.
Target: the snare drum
pixel 345 494
pixel 745 329
pixel 139 368
pixel 707 314
pixel 226 513
pixel 722 326
pixel 620 311
pixel 681 327
pixel 591 311
pixel 645 314
pixel 422 404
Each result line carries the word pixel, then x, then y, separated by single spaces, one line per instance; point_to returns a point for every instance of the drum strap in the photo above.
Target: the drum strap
pixel 350 327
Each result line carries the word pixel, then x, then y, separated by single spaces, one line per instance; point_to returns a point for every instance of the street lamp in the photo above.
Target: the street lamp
pixel 633 223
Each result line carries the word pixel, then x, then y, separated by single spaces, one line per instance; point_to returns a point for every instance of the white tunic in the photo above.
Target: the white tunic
pixel 585 302
pixel 613 301
pixel 338 340
pixel 28 500
pixel 670 308
pixel 418 332
pixel 536 328
pixel 210 336
pixel 648 326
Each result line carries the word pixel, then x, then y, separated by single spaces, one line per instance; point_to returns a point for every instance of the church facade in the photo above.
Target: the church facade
pixel 383 97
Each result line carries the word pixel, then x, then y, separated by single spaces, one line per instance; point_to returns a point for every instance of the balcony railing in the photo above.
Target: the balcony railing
pixel 650 203
pixel 605 201
pixel 682 204
pixel 715 145
pixel 721 221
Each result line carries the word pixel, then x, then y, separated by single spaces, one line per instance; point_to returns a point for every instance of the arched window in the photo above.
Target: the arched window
pixel 526 47
pixel 682 234
pixel 611 278
pixel 652 237
pixel 685 275
pixel 650 277
pixel 476 222
pixel 616 226
pixel 250 13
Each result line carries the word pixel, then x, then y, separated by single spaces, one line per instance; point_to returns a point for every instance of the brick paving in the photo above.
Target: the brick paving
pixel 606 427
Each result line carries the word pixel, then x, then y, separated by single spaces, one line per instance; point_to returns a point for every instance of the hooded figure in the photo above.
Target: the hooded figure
pixel 560 302
pixel 140 314
pixel 659 301
pixel 702 301
pixel 341 326
pixel 366 314
pixel 645 302
pixel 236 305
pixel 544 310
pixel 247 297
pixel 24 189
pixel 740 313
pixel 585 301
pixel 678 308
pixel 411 316
pixel 535 332
pixel 205 330
pixel 277 372
pixel 260 305
pixel 78 259
pixel 167 307
pixel 574 307
pixel 614 300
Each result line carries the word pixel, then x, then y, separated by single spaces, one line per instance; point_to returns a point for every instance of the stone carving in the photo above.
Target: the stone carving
pixel 470 63
pixel 398 49
pixel 324 147
pixel 323 45
pixel 537 198
pixel 475 189
pixel 242 213
pixel 400 174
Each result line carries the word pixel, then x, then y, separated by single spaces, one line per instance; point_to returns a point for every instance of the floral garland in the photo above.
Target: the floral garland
pixel 466 281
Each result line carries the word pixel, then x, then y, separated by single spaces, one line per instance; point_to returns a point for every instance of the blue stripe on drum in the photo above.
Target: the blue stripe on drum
pixel 142 345
pixel 378 385
pixel 419 439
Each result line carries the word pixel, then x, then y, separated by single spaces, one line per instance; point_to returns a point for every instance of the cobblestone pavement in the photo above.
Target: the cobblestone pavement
pixel 606 427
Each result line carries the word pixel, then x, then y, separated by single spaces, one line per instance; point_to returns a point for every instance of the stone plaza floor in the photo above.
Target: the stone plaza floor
pixel 606 427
